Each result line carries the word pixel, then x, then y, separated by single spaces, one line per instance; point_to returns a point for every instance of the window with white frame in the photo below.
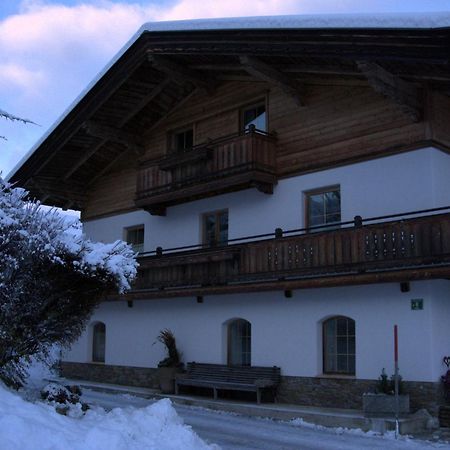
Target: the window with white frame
pixel 239 342
pixel 215 228
pixel 98 342
pixel 339 345
pixel 254 115
pixel 135 237
pixel 323 206
pixel 182 140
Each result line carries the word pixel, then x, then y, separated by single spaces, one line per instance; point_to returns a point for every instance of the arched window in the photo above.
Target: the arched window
pixel 98 342
pixel 239 342
pixel 339 345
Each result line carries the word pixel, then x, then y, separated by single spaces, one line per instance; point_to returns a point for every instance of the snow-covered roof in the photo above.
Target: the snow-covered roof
pixel 308 21
pixel 425 20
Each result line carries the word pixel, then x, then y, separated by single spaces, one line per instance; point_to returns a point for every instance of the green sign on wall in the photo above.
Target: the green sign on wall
pixel 417 304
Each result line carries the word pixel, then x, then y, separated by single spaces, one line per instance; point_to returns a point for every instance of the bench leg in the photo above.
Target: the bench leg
pixel 176 388
pixel 215 393
pixel 258 395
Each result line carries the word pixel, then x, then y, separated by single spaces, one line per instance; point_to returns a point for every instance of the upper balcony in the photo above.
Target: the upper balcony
pixel 225 165
pixel 400 248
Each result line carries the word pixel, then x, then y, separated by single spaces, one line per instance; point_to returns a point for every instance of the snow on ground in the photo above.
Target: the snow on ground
pixel 37 426
pixel 236 432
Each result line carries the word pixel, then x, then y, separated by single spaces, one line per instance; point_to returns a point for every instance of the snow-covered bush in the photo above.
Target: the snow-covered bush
pixel 51 278
pixel 65 399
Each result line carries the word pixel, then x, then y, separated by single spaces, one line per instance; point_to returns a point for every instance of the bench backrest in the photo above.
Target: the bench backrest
pixel 232 374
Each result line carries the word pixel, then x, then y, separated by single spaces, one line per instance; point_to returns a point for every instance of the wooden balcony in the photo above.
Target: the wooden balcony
pixel 226 165
pixel 356 253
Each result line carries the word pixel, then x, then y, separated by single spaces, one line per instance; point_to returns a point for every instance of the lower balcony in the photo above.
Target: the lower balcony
pixel 384 249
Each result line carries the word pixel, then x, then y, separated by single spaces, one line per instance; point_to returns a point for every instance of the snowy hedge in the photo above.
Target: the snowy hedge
pixel 51 278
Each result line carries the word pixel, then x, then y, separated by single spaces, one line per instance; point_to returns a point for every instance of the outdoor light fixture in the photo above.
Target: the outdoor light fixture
pixel 405 287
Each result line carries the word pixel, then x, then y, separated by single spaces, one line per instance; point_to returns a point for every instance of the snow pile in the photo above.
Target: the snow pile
pixel 28 426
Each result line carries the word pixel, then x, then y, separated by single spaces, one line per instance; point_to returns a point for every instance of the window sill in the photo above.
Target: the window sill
pixel 336 376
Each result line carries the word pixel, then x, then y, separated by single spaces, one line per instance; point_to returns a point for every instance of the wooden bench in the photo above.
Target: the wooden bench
pixel 237 378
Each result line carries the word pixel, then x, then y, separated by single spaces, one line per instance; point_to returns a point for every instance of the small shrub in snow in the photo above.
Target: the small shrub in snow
pixel 51 279
pixel 54 392
pixel 65 399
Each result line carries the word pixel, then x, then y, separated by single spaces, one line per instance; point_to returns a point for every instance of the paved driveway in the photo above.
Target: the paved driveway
pixel 248 433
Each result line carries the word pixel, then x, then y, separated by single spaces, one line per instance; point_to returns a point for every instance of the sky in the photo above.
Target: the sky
pixel 51 49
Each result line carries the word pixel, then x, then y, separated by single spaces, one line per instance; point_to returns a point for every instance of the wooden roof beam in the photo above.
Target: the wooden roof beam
pixel 106 168
pixel 156 90
pixel 84 158
pixel 405 94
pixel 182 73
pixel 112 134
pixel 54 187
pixel 268 73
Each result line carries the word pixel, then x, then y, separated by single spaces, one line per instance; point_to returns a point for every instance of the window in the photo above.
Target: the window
pixel 98 342
pixel 182 140
pixel 135 237
pixel 255 115
pixel 323 207
pixel 239 342
pixel 215 228
pixel 339 345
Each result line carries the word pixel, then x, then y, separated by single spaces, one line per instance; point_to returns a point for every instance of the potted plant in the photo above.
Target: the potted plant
pixel 169 366
pixel 383 402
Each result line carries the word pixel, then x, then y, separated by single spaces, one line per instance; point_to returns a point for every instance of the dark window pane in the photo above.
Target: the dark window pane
pixel 341 327
pixel 135 237
pixel 342 345
pixel 342 365
pixel 215 228
pixel 351 365
pixel 98 342
pixel 239 342
pixel 255 116
pixel 339 345
pixel 351 327
pixel 324 208
pixel 351 346
pixel 184 140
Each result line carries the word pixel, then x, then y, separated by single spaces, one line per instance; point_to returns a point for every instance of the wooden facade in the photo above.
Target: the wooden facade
pixel 351 254
pixel 332 97
pixel 225 165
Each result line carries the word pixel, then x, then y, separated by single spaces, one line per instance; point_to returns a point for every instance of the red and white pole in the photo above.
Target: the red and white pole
pixel 396 381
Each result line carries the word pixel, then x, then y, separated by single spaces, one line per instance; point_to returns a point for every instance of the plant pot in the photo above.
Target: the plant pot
pixel 384 405
pixel 166 377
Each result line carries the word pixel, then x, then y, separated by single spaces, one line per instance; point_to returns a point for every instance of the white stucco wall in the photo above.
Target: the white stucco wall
pixel 286 332
pixel 389 185
pixel 440 316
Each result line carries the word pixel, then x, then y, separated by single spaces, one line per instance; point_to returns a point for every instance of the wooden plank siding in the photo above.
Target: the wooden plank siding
pixel 389 246
pixel 221 166
pixel 338 125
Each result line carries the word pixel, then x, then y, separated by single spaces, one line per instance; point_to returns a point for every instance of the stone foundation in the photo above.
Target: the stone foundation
pixel 311 391
pixel 347 392
pixel 105 373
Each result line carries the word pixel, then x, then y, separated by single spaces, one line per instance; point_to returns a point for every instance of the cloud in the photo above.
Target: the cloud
pixel 191 9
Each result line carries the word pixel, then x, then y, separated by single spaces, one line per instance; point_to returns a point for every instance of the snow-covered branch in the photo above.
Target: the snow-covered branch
pixel 51 279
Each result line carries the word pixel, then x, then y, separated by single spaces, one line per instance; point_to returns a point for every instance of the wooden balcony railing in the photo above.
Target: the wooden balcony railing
pixel 225 165
pixel 356 250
